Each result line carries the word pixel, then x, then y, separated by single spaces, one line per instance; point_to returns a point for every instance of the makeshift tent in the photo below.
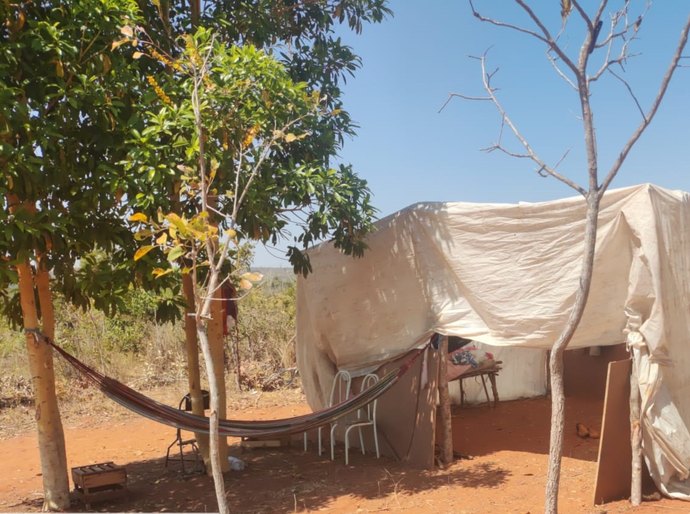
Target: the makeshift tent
pixel 506 276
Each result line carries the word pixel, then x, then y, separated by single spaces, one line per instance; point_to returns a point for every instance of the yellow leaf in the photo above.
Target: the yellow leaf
pixel 137 55
pixel 290 137
pixel 252 276
pixel 127 31
pixel 162 239
pixel 245 284
pixel 159 272
pixel 59 69
pixel 142 234
pixel 143 251
pixel 116 44
pixel 139 216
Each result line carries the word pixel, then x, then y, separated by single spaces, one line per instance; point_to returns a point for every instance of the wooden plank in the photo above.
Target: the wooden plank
pixel 113 477
pixel 614 466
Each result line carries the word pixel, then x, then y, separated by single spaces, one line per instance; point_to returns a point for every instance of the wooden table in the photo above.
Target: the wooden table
pixel 491 372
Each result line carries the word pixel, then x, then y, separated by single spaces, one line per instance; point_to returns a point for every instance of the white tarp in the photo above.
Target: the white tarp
pixel 506 275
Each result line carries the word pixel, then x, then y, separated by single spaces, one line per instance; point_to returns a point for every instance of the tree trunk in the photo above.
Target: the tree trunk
pixel 216 343
pixel 51 438
pixel 556 357
pixel 445 410
pixel 236 355
pixel 193 374
pixel 635 437
pixel 215 453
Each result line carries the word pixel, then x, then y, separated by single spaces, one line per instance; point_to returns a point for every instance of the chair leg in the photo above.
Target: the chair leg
pixel 184 471
pixel 332 440
pixel 319 441
pixel 361 440
pixel 347 445
pixel 167 453
pixel 305 442
pixel 376 441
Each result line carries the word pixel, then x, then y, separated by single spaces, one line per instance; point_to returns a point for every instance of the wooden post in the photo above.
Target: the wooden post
pixel 444 400
pixel 635 436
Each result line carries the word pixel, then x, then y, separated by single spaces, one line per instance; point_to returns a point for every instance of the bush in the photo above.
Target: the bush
pixel 136 349
pixel 265 335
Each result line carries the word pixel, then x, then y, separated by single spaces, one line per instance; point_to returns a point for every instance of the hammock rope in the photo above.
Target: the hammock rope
pixel 167 415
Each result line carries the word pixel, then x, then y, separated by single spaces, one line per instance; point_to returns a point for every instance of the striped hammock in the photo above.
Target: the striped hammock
pixel 167 415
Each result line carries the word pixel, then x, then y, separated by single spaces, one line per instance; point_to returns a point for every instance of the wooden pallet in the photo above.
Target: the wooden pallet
pixel 99 482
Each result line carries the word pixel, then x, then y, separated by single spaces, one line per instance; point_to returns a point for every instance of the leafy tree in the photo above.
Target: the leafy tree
pixel 64 98
pixel 226 118
pixel 302 36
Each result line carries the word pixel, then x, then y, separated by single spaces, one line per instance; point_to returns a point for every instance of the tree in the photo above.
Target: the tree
pixel 63 97
pixel 228 116
pixel 301 35
pixel 603 53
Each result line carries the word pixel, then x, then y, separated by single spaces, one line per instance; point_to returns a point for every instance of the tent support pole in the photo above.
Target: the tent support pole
pixel 635 437
pixel 444 401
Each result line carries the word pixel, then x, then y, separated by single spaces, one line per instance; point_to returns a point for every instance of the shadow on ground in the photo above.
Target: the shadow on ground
pixel 287 480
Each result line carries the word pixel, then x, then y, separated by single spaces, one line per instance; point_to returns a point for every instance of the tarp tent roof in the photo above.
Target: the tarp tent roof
pixel 506 275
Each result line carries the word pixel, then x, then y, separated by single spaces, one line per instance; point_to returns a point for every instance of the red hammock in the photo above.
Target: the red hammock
pixel 152 409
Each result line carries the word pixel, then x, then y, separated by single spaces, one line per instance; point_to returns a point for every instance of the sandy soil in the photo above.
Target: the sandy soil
pixel 505 472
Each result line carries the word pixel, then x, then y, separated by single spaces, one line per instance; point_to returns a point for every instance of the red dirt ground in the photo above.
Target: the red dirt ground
pixel 506 472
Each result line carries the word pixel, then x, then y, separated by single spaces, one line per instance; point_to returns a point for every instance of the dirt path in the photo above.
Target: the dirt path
pixel 506 472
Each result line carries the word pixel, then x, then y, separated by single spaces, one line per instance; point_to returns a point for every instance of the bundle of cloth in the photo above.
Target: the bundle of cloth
pixel 465 357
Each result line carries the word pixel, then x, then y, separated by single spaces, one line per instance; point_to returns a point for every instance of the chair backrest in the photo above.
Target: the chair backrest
pixel 340 390
pixel 368 381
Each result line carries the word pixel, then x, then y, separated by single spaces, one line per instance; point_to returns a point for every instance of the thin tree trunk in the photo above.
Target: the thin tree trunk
pixel 216 343
pixel 556 357
pixel 193 374
pixel 445 410
pixel 236 355
pixel 635 437
pixel 216 464
pixel 51 438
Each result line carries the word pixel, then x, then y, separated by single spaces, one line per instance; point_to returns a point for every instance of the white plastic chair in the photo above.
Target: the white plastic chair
pixel 366 417
pixel 340 391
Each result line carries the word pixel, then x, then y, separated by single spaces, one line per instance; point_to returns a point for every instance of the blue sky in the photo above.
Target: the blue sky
pixel 409 152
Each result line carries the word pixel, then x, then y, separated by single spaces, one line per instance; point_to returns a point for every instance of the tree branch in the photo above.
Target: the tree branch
pixel 652 110
pixel 544 169
pixel 498 23
pixel 632 93
pixel 547 38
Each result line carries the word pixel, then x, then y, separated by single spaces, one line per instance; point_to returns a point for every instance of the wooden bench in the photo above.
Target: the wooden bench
pixel 99 482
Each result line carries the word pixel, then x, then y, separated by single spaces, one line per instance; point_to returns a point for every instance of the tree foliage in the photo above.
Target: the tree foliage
pixel 261 139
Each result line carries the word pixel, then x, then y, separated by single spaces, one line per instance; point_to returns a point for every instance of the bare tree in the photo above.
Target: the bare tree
pixel 605 50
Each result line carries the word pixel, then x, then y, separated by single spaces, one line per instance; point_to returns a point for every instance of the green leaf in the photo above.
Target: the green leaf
pixel 175 253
